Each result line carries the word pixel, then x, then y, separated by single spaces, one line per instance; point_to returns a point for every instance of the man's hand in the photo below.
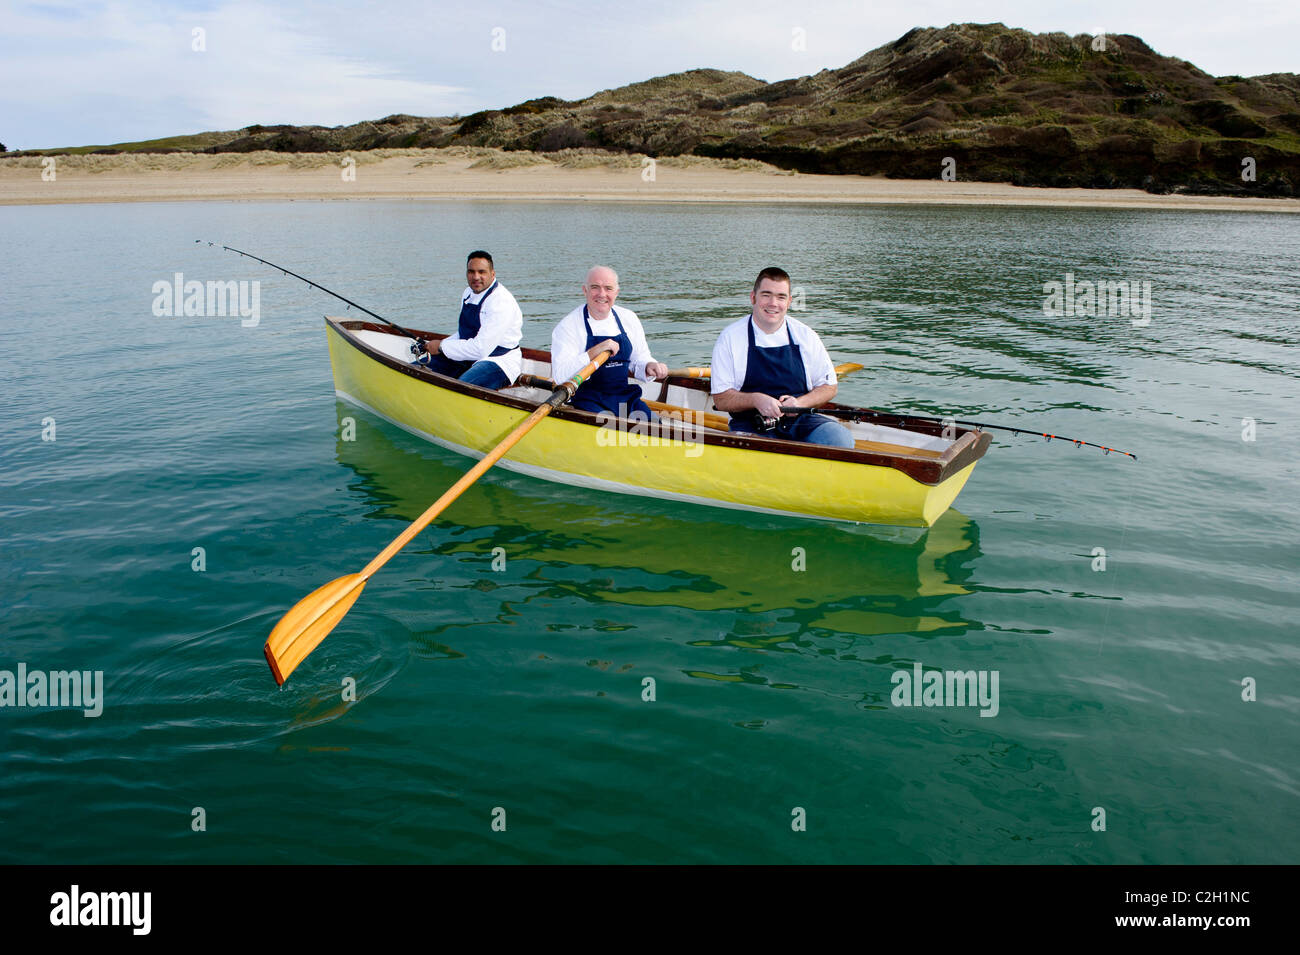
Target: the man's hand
pixel 767 406
pixel 790 401
pixel 608 345
pixel 433 347
pixel 656 370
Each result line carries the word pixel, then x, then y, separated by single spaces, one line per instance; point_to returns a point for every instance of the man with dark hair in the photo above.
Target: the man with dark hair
pixel 768 362
pixel 484 351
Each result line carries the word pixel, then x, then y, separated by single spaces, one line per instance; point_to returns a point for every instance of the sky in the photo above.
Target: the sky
pixel 90 73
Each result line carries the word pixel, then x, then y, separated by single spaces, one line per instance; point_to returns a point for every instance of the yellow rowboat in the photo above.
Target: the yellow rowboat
pixel 906 472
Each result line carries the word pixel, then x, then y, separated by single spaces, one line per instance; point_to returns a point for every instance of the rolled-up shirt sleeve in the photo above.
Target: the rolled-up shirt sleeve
pixel 568 351
pixel 819 369
pixel 500 323
pixel 640 350
pixel 723 373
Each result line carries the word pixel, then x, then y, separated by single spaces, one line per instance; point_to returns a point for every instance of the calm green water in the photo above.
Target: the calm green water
pixel 522 689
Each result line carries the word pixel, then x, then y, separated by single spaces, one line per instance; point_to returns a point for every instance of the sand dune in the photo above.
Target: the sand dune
pixel 480 173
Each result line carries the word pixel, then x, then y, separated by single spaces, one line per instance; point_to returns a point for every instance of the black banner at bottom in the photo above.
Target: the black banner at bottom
pixel 336 904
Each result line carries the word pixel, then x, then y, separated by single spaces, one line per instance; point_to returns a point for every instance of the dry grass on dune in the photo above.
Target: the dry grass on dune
pixel 481 157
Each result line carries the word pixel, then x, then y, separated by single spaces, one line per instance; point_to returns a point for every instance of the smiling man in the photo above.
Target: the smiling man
pixel 768 362
pixel 484 351
pixel 595 327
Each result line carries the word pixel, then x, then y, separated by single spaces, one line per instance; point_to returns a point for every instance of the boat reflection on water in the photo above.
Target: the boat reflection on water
pixel 617 549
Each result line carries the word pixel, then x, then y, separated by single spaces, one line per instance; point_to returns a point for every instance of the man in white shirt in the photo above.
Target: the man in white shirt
pixel 595 327
pixel 484 351
pixel 767 363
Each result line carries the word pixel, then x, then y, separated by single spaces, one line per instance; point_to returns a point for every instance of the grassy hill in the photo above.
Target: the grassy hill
pixel 1004 104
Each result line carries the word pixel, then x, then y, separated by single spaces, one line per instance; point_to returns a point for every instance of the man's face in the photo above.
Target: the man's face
pixel 771 300
pixel 601 291
pixel 479 274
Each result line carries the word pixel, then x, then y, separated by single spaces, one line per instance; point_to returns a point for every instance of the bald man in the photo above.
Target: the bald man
pixel 595 327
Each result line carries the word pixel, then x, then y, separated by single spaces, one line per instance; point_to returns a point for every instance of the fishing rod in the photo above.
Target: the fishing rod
pixel 537 381
pixel 349 301
pixel 873 413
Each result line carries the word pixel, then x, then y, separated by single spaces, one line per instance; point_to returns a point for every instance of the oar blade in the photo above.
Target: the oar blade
pixel 848 367
pixel 309 622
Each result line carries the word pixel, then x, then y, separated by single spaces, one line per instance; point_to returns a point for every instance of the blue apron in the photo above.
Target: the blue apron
pixel 770 371
pixel 608 389
pixel 466 328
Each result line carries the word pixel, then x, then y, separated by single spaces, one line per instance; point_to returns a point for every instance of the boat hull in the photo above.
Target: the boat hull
pixel 572 448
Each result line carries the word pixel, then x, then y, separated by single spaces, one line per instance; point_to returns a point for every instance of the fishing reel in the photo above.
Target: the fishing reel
pixel 417 347
pixel 769 424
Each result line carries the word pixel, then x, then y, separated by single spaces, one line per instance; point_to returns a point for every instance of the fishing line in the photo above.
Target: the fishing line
pixel 281 268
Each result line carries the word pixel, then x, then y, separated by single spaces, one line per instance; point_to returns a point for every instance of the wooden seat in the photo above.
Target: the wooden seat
pixel 880 447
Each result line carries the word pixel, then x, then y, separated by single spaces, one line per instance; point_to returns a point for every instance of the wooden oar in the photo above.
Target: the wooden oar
pixel 722 422
pixel 719 422
pixel 693 372
pixel 708 419
pixel 310 620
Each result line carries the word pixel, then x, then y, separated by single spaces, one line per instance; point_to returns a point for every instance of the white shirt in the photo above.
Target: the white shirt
pixel 569 342
pixel 731 354
pixel 500 323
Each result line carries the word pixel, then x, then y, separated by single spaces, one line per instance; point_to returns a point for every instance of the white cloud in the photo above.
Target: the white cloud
pixel 130 71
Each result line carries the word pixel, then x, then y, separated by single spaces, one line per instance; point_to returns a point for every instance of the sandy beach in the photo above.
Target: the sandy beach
pixel 472 173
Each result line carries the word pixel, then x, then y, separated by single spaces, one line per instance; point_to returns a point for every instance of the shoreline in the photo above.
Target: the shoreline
pixel 462 173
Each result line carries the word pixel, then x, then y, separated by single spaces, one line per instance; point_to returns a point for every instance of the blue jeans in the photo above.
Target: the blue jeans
pixel 485 374
pixel 813 428
pixel 625 409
